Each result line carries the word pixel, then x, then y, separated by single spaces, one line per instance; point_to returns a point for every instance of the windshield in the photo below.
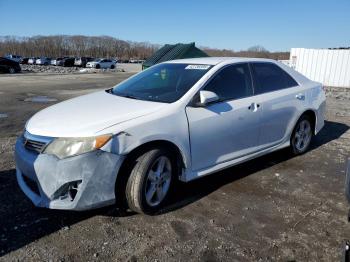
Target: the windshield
pixel 162 83
pixel 97 60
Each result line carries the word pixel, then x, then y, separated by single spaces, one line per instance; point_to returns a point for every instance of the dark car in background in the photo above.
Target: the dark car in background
pixel 67 61
pixel 25 61
pixel 9 66
pixel 82 61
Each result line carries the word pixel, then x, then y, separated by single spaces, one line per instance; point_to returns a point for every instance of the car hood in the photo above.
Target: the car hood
pixel 86 115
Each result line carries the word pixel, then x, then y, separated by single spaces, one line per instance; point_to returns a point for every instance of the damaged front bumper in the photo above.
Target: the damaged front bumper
pixel 80 182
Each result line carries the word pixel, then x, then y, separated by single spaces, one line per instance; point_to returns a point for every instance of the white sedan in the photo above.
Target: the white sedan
pixel 43 61
pixel 101 64
pixel 179 120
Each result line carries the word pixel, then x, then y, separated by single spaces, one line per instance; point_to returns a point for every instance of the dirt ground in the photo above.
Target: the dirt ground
pixel 274 208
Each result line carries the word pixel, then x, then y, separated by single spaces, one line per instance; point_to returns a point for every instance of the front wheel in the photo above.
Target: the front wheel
pixel 302 135
pixel 12 70
pixel 150 181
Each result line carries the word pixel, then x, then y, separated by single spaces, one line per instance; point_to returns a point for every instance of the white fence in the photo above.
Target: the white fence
pixel 330 67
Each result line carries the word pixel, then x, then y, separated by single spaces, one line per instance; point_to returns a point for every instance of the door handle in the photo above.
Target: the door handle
pixel 254 107
pixel 300 96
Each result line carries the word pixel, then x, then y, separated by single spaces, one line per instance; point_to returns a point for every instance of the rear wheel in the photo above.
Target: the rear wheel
pixel 150 181
pixel 302 135
pixel 98 66
pixel 112 66
pixel 12 70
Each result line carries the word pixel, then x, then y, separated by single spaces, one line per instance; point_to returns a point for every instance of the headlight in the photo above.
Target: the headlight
pixel 66 147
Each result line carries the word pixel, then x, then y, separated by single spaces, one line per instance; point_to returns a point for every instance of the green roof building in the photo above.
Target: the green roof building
pixel 172 52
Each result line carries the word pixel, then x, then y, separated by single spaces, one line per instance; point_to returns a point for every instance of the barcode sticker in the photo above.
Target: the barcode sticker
pixel 197 67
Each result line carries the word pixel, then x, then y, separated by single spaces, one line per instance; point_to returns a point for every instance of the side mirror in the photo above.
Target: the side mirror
pixel 207 97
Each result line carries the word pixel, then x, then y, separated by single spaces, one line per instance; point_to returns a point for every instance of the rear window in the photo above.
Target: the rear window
pixel 270 77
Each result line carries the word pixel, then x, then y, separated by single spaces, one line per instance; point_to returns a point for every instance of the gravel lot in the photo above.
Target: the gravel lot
pixel 131 68
pixel 275 208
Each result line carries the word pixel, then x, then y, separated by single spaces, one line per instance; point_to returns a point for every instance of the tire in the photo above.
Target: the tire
pixel 12 70
pixel 150 181
pixel 98 66
pixel 112 66
pixel 302 135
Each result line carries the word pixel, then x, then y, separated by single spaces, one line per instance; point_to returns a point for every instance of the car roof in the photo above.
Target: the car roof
pixel 218 60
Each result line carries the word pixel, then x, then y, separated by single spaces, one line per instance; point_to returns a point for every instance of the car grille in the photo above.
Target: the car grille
pixel 35 146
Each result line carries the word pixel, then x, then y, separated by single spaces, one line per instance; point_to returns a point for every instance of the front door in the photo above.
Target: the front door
pixel 229 128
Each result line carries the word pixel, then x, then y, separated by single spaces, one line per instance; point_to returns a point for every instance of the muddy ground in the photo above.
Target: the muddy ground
pixel 275 208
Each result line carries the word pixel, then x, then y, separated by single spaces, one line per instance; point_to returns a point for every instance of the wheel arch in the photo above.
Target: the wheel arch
pixel 131 156
pixel 312 114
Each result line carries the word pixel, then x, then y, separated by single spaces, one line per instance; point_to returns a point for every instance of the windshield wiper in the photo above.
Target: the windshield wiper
pixel 110 91
pixel 128 96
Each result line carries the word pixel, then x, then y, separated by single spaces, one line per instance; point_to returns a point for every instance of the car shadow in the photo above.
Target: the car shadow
pixel 197 189
pixel 22 223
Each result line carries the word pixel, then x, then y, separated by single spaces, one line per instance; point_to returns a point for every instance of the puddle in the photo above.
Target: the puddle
pixel 2 115
pixel 79 92
pixel 40 99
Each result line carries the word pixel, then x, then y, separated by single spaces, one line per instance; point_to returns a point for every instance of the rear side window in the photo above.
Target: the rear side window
pixel 270 77
pixel 232 82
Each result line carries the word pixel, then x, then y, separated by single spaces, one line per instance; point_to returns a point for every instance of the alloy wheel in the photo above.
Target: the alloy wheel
pixel 302 136
pixel 158 181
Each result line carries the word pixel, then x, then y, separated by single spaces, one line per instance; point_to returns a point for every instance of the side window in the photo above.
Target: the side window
pixel 232 82
pixel 270 77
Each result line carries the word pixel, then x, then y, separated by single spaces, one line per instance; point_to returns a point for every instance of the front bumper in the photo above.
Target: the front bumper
pixel 49 181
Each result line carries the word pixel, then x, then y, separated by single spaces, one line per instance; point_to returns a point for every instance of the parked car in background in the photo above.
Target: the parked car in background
pixel 16 58
pixel 55 61
pixel 66 61
pixel 9 66
pixel 82 61
pixel 137 61
pixel 43 61
pixel 101 63
pixel 32 60
pixel 24 60
pixel 178 120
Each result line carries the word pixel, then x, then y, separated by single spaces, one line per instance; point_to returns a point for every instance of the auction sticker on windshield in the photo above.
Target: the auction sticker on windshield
pixel 198 67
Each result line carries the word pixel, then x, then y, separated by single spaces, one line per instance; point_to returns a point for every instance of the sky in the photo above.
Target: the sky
pixel 277 25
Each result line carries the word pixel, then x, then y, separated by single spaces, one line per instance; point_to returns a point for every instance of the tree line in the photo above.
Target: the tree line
pixel 105 46
pixel 254 51
pixel 75 45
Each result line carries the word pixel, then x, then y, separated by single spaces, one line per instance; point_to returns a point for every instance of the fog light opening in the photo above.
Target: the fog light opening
pixel 68 191
pixel 73 189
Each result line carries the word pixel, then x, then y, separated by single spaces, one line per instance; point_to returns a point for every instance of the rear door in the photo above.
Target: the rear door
pixel 227 129
pixel 280 98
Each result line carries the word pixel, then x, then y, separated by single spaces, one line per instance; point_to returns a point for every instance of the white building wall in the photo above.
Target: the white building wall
pixel 330 67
